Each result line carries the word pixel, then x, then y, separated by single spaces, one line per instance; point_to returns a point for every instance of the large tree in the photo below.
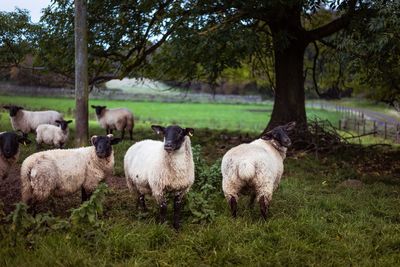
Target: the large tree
pixel 233 29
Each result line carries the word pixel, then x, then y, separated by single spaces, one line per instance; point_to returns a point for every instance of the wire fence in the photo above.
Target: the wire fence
pixel 365 122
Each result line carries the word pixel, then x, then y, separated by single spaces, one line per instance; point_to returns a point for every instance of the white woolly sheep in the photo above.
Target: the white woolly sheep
pixel 9 151
pixel 52 135
pixel 119 119
pixel 155 167
pixel 27 121
pixel 63 172
pixel 257 166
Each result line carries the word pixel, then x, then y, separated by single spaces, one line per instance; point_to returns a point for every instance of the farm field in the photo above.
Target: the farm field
pixel 245 118
pixel 313 220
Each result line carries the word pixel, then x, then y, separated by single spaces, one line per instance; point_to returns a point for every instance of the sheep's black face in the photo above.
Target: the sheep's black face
pixel 173 136
pixel 13 110
pixel 103 145
pixel 280 135
pixel 9 143
pixel 99 109
pixel 63 124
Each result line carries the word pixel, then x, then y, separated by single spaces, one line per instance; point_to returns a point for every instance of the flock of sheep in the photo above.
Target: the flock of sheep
pixel 151 167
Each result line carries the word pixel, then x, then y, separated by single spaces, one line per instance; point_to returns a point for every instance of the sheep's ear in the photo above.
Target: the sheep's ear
pixel 189 131
pixel 93 106
pixel 6 107
pixel 290 126
pixel 158 129
pixel 69 121
pixel 115 141
pixel 58 121
pixel 268 136
pixel 93 140
pixel 103 107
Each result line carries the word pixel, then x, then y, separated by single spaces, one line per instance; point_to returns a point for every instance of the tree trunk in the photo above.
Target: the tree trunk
pixel 81 74
pixel 289 103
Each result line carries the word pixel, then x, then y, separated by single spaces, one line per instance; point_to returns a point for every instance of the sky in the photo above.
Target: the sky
pixel 34 6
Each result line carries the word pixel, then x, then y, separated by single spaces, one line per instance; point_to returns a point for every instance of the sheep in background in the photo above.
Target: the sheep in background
pixel 52 135
pixel 63 172
pixel 9 151
pixel 155 167
pixel 257 166
pixel 120 119
pixel 27 121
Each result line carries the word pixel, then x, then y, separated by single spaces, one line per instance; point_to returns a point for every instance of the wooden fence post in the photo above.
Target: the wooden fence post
pixel 374 129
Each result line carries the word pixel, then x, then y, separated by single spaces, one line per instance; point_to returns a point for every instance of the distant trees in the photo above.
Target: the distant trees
pixel 17 39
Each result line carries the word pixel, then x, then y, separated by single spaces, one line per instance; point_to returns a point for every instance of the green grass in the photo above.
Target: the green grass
pixel 312 221
pixel 246 118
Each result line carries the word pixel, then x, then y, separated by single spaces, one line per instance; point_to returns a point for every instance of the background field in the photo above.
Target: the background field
pixel 313 220
pixel 244 117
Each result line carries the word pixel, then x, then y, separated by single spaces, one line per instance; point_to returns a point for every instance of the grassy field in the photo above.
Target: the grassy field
pixel 246 118
pixel 313 220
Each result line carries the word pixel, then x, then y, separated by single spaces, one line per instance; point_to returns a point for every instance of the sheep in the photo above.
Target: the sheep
pixel 257 166
pixel 27 121
pixel 9 151
pixel 62 172
pixel 155 167
pixel 52 135
pixel 120 119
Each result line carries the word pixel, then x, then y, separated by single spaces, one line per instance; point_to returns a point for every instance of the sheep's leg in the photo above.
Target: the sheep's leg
pixel 85 195
pixel 233 205
pixel 142 202
pixel 38 146
pixel 130 134
pixel 264 204
pixel 61 145
pixel 177 211
pixel 163 210
pixel 122 134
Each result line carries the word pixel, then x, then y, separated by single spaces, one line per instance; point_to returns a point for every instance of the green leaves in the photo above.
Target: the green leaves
pixel 90 210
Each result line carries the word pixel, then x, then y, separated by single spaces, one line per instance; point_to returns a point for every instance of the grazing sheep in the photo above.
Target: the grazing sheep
pixel 9 151
pixel 155 167
pixel 27 121
pixel 52 135
pixel 257 166
pixel 119 119
pixel 63 172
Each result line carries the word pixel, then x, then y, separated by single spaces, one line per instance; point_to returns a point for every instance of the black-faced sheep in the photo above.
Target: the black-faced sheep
pixel 53 135
pixel 63 172
pixel 155 167
pixel 257 166
pixel 9 151
pixel 27 121
pixel 119 119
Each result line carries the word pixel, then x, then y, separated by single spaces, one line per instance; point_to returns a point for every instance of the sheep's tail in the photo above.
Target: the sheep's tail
pixel 246 169
pixel 26 185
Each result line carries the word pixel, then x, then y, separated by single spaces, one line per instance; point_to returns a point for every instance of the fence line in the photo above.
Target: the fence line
pixel 362 123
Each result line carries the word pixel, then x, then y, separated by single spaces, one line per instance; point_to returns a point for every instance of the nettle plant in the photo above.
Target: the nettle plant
pixel 205 188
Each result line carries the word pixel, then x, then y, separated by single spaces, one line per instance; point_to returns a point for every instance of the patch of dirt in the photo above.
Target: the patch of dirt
pixel 10 194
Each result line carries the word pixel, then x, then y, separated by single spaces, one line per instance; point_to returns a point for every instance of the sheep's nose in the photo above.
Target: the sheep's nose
pixel 168 147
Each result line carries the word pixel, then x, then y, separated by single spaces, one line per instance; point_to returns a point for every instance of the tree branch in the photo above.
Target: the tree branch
pixel 335 25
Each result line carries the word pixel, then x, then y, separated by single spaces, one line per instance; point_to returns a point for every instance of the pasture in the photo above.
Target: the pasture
pixel 313 220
